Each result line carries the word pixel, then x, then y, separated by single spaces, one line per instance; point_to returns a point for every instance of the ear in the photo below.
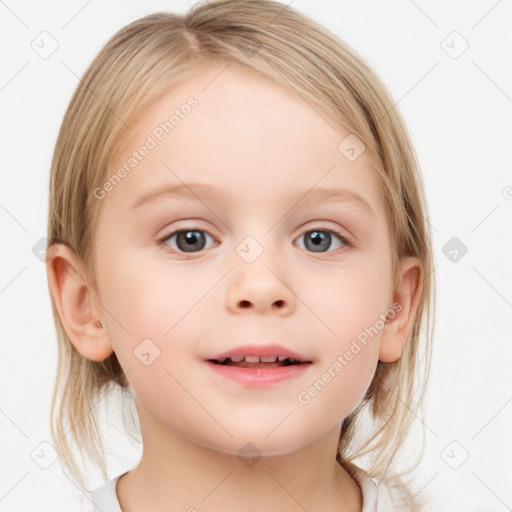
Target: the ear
pixel 405 302
pixel 77 307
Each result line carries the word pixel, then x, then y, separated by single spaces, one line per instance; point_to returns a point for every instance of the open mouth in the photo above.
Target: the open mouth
pixel 257 362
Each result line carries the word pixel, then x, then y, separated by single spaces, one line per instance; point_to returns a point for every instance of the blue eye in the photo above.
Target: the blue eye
pixel 321 238
pixel 193 240
pixel 187 240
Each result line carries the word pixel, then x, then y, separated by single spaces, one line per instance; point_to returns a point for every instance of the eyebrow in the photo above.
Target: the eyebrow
pixel 315 194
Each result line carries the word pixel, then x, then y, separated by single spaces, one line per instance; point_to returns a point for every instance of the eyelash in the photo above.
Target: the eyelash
pixel 161 241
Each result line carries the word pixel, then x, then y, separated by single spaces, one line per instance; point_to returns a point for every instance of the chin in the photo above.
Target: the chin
pixel 257 444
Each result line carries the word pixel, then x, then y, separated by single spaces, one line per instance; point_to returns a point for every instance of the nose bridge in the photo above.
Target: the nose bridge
pixel 258 242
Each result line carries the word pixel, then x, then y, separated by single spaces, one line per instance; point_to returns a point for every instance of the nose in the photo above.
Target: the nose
pixel 260 286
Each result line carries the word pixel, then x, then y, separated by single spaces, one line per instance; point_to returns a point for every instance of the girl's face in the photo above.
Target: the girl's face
pixel 249 172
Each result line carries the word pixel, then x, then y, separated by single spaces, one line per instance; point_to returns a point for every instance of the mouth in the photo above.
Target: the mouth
pixel 256 365
pixel 257 362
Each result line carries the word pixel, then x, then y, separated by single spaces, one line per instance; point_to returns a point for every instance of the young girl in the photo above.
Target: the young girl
pixel 264 362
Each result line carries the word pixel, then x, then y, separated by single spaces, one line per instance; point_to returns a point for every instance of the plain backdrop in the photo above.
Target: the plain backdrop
pixel 447 65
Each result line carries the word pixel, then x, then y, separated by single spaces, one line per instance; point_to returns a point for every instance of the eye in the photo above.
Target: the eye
pixel 320 239
pixel 187 240
pixel 193 240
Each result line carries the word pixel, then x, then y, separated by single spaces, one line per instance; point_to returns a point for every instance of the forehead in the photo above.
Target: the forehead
pixel 234 129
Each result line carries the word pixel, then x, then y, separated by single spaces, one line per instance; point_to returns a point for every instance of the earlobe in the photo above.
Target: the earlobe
pixel 75 303
pixel 405 302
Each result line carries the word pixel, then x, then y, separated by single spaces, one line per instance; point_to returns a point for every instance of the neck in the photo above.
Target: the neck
pixel 176 473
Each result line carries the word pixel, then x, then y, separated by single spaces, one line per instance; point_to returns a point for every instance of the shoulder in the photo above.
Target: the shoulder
pixel 105 496
pixel 368 490
pixel 381 497
pixel 100 499
pixel 377 497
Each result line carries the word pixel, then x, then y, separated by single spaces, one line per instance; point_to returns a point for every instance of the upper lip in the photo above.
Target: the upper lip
pixel 261 351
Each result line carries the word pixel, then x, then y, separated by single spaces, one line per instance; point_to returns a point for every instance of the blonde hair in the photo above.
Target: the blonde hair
pixel 136 66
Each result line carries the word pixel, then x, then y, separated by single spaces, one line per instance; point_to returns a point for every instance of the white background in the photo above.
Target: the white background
pixel 459 113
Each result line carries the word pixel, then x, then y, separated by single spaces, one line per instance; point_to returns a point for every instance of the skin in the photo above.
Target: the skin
pixel 261 145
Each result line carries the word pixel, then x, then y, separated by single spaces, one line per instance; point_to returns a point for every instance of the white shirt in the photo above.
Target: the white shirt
pixel 104 498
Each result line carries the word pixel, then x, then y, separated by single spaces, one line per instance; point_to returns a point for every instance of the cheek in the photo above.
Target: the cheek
pixel 335 391
pixel 349 310
pixel 349 301
pixel 159 312
pixel 349 338
pixel 150 298
pixel 154 315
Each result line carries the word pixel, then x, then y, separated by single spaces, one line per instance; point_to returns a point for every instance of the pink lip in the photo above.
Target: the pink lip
pixel 260 351
pixel 259 377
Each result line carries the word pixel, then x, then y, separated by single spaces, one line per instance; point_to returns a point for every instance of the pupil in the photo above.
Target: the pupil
pixel 187 240
pixel 319 240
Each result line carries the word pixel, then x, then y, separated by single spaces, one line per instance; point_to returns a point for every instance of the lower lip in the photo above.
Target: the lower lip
pixel 259 377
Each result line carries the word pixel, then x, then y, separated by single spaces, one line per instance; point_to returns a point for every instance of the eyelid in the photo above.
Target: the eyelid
pixel 184 225
pixel 338 232
pixel 320 226
pixel 176 229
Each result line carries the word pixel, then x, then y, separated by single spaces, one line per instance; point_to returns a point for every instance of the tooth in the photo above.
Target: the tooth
pixel 282 358
pixel 223 359
pixel 236 359
pixel 252 359
pixel 269 359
